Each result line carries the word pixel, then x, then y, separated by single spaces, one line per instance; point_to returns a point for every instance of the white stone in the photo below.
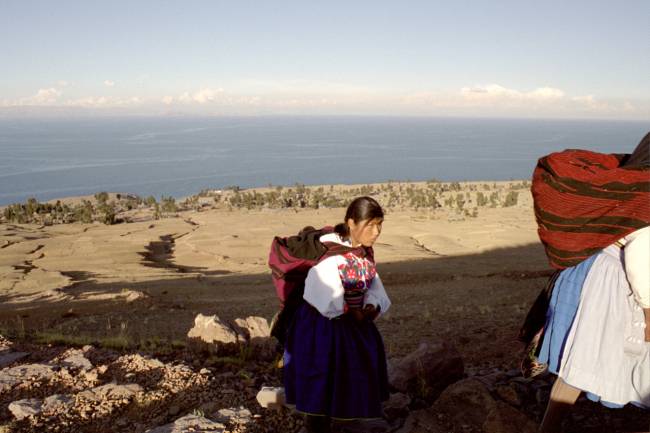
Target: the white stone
pixel 271 397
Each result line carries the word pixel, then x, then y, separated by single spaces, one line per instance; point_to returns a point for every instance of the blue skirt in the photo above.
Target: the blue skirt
pixel 334 367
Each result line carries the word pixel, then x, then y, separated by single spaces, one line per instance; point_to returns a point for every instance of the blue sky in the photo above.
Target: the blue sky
pixel 562 59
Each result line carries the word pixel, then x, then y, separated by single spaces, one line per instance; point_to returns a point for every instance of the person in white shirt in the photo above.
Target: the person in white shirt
pixel 334 359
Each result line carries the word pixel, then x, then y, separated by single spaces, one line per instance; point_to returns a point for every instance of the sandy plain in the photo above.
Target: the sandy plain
pixel 470 280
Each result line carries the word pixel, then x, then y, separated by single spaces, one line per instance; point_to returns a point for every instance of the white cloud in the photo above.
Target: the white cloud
pixel 109 83
pixel 494 93
pixel 47 96
pixel 546 93
pixel 590 102
pixel 311 97
pixel 207 95
pixel 103 101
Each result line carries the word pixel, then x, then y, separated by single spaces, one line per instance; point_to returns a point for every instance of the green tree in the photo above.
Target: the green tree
pixel 168 204
pixel 511 199
pixel 101 197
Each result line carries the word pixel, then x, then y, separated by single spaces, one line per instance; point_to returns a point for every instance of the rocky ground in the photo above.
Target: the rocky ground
pixel 212 388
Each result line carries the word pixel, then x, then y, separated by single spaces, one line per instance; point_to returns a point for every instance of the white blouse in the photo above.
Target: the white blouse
pixel 636 255
pixel 324 289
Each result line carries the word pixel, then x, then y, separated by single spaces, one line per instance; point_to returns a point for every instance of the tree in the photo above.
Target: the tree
pixel 511 199
pixel 101 197
pixel 150 201
pixel 168 204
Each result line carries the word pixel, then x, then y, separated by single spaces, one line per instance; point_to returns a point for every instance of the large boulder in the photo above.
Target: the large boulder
pixel 469 403
pixel 214 332
pixel 465 402
pixel 216 335
pixel 426 371
pixel 257 334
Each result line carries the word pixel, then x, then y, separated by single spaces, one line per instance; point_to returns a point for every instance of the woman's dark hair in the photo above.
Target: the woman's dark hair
pixel 361 208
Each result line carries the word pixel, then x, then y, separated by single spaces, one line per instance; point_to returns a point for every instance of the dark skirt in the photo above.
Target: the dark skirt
pixel 334 367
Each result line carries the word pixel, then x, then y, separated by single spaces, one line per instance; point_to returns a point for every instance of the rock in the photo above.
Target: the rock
pixel 505 419
pixel 190 423
pixel 509 395
pixel 77 360
pixel 4 343
pixel 271 397
pixel 254 327
pixel 133 295
pixel 212 330
pixel 397 406
pixel 468 405
pixel 435 364
pixel 91 376
pixel 239 416
pixel 465 402
pixel 423 421
pixel 57 402
pixel 257 333
pixel 21 373
pixel 21 409
pixel 111 391
pixel 8 356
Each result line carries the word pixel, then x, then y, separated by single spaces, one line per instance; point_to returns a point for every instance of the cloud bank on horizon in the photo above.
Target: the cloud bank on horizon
pixel 333 99
pixel 586 59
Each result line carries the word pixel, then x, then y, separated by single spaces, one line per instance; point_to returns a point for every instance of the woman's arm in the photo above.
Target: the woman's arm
pixel 377 296
pixel 323 288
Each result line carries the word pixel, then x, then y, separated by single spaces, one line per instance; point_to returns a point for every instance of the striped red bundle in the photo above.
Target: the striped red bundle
pixel 585 201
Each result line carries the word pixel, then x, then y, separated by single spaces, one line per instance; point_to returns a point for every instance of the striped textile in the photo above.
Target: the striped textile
pixel 585 201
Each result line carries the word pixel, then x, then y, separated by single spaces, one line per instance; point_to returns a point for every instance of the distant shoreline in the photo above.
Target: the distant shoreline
pixel 79 198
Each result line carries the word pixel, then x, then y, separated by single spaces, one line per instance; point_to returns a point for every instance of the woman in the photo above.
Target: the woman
pixel 605 350
pixel 334 359
pixel 597 333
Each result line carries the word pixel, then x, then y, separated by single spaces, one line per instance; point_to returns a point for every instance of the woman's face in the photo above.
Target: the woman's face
pixel 365 232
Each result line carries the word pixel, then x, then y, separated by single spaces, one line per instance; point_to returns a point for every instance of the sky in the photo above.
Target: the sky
pixel 482 58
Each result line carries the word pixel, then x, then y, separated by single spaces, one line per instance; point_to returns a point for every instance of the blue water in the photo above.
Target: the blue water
pixel 47 159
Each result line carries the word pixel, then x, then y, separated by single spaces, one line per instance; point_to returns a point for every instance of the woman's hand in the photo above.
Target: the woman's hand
pixel 371 312
pixel 357 314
